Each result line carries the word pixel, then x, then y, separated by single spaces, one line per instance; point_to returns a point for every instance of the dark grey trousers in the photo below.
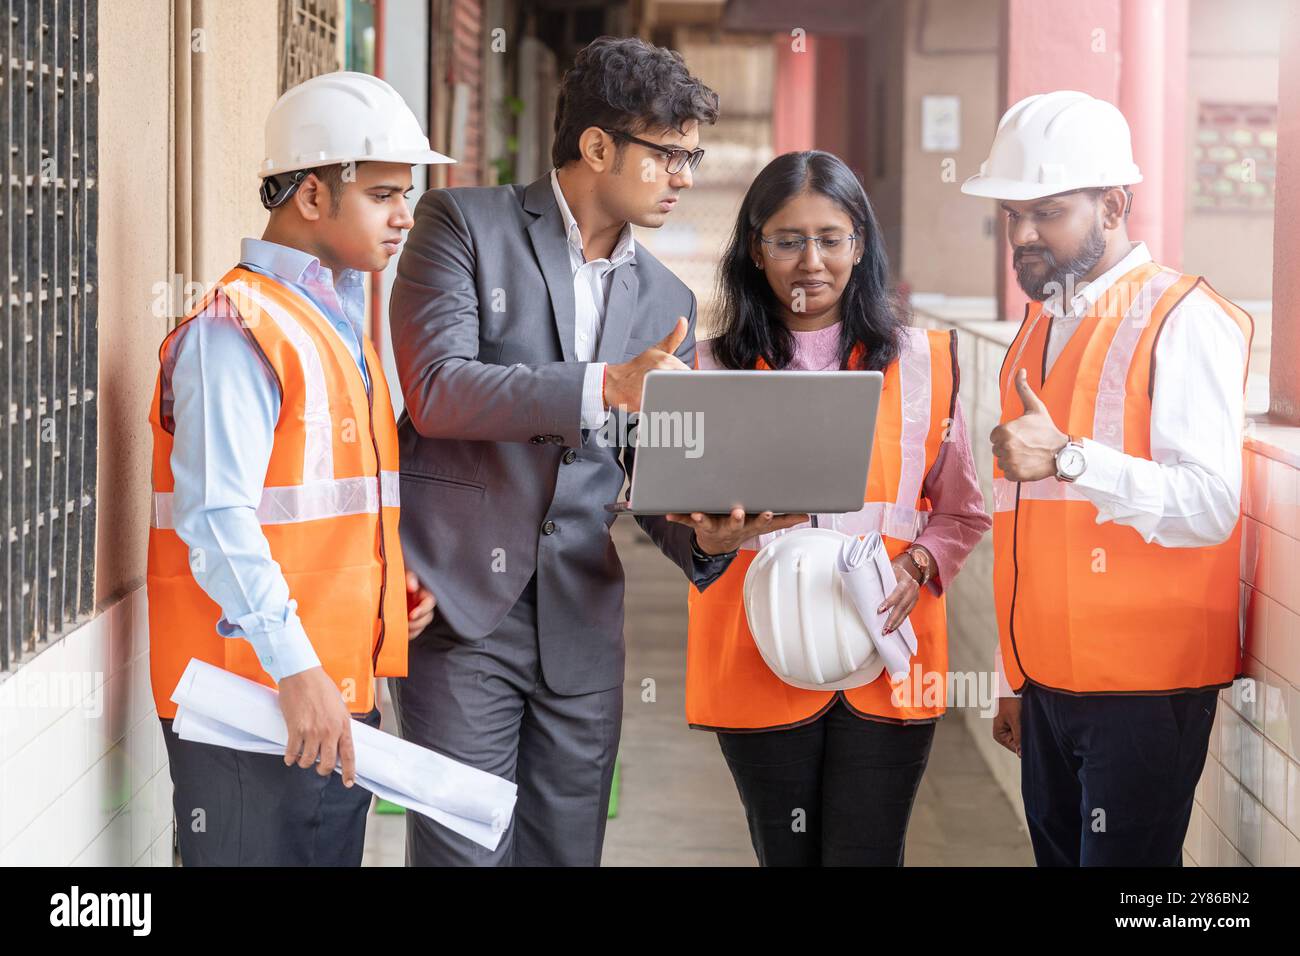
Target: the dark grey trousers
pixel 487 704
pixel 241 809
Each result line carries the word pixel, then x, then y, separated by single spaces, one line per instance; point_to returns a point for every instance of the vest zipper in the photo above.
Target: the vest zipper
pixel 379 479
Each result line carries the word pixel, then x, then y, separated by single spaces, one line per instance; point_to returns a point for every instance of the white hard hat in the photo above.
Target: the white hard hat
pixel 806 627
pixel 1053 143
pixel 339 118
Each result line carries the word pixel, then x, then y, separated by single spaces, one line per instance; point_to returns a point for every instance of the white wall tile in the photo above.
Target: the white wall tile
pixel 1293 798
pixel 1293 720
pixel 1282 642
pixel 111 846
pixel 1284 482
pixel 1274 790
pixel 1229 816
pixel 1292 855
pixel 1249 549
pixel 1250 829
pixel 163 851
pixel 1249 695
pixel 140 813
pixel 1252 761
pixel 1276 727
pixel 1273 842
pixel 79 778
pixel 1207 853
pixel 1230 740
pixel 1207 789
pixel 1195 823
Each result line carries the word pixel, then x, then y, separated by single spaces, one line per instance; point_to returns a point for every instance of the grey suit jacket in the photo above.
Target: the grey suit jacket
pixel 498 478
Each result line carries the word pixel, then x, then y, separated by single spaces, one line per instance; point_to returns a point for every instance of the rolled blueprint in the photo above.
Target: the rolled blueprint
pixel 869 578
pixel 217 707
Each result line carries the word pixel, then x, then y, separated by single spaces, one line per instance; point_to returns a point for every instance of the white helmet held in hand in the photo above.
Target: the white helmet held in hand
pixel 1053 143
pixel 805 625
pixel 339 118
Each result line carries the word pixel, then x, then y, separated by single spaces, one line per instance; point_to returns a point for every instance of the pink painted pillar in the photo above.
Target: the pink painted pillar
pixel 1174 175
pixel 794 94
pixel 1284 362
pixel 1153 97
pixel 1053 46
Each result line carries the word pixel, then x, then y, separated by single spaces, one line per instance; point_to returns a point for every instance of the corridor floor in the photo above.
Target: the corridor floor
pixel 677 803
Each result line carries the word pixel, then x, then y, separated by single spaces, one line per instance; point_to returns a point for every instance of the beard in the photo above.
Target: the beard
pixel 1057 276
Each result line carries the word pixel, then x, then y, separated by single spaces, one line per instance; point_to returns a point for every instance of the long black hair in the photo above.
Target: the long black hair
pixel 750 312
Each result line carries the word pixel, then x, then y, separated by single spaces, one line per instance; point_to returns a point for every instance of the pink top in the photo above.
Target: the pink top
pixel 958 520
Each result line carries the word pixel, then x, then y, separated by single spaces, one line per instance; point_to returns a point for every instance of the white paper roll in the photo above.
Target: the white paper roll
pixel 868 579
pixel 217 707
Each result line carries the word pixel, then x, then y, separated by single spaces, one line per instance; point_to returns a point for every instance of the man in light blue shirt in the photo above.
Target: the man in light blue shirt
pixel 227 402
pixel 221 399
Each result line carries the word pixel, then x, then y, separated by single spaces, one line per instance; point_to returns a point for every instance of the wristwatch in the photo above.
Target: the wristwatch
pixel 921 560
pixel 1070 460
pixel 701 556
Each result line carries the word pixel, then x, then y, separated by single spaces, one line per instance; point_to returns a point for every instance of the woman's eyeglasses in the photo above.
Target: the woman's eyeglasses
pixel 677 157
pixel 792 247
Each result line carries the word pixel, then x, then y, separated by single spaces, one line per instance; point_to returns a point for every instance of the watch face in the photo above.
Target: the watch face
pixel 1071 462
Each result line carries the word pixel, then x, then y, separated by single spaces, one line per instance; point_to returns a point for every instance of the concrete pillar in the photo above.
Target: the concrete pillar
pixel 1284 371
pixel 1152 96
pixel 794 93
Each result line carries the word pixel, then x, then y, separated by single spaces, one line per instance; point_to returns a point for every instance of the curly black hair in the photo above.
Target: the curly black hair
pixel 627 84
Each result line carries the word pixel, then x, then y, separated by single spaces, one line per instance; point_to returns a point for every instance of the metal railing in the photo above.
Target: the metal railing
pixel 48 329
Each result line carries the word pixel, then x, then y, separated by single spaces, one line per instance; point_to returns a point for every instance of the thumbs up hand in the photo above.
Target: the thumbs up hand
pixel 1026 447
pixel 623 382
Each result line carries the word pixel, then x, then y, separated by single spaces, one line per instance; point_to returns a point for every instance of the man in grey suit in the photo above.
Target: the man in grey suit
pixel 522 318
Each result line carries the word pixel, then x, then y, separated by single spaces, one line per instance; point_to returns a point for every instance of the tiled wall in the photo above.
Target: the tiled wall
pixel 1248 801
pixel 83 768
pixel 1247 809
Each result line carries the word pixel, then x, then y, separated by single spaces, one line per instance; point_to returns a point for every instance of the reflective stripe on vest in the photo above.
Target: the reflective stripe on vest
pixel 728 686
pixel 328 498
pixel 328 508
pixel 1093 608
pixel 1108 413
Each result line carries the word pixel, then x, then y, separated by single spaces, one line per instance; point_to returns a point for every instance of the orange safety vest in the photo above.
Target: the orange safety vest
pixel 329 507
pixel 728 685
pixel 1093 608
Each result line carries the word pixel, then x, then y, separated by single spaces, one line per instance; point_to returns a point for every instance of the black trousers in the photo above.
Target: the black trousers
pixel 243 809
pixel 837 791
pixel 1108 780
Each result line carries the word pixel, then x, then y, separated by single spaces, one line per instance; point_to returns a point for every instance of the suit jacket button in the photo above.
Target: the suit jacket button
pixel 548 527
pixel 570 456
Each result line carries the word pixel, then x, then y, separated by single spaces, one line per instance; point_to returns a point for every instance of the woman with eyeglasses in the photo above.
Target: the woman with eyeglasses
pixel 829 778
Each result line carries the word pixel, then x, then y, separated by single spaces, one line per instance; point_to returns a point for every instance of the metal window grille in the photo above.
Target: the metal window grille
pixel 309 40
pixel 48 330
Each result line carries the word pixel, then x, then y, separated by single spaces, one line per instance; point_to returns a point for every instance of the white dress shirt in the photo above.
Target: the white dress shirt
pixel 1189 494
pixel 591 281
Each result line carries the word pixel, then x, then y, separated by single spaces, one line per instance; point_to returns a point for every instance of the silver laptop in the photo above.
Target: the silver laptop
pixel 786 442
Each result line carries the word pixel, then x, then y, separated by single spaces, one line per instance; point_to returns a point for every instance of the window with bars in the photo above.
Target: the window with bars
pixel 48 337
pixel 309 40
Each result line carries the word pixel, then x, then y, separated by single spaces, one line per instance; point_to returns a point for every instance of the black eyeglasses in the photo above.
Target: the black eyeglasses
pixel 677 157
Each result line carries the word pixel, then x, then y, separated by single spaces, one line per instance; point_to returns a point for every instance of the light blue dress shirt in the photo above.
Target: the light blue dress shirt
pixel 227 403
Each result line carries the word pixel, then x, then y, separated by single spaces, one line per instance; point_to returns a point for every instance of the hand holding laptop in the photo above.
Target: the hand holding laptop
pixel 718 534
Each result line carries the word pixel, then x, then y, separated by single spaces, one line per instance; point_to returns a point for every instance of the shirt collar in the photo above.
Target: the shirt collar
pixel 624 249
pixel 1086 294
pixel 293 265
